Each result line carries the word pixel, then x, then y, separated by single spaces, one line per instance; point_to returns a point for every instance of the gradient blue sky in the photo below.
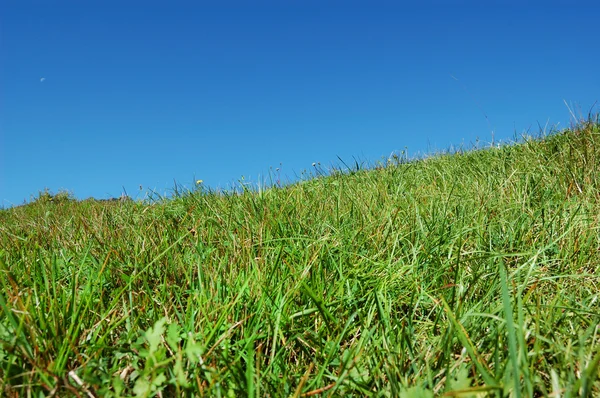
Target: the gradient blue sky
pixel 145 93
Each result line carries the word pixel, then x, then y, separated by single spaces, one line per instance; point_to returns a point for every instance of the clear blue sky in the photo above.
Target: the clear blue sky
pixel 100 95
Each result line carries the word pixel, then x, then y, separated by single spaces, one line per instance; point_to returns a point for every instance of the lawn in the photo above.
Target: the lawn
pixel 472 273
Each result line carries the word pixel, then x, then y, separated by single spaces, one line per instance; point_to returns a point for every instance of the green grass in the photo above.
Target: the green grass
pixel 465 274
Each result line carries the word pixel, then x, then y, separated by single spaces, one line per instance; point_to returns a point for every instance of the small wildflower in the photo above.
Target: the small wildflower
pixel 198 182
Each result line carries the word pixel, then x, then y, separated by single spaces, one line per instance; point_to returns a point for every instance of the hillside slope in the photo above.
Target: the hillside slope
pixel 473 272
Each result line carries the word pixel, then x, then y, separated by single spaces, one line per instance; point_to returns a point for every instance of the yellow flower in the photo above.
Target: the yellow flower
pixel 198 182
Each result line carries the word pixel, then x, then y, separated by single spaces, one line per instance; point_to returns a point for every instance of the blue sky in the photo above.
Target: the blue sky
pixel 97 97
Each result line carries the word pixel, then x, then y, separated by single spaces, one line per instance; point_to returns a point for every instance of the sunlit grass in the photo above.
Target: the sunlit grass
pixel 460 274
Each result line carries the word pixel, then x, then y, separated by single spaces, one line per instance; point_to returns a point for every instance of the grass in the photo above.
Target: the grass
pixel 463 275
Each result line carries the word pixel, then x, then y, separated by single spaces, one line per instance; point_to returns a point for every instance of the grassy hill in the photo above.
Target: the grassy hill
pixel 466 274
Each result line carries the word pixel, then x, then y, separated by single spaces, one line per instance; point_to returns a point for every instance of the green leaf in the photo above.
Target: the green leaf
pixel 180 374
pixel 461 381
pixel 416 392
pixel 142 388
pixel 158 381
pixel 173 337
pixel 460 384
pixel 154 335
pixel 118 385
pixel 194 352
